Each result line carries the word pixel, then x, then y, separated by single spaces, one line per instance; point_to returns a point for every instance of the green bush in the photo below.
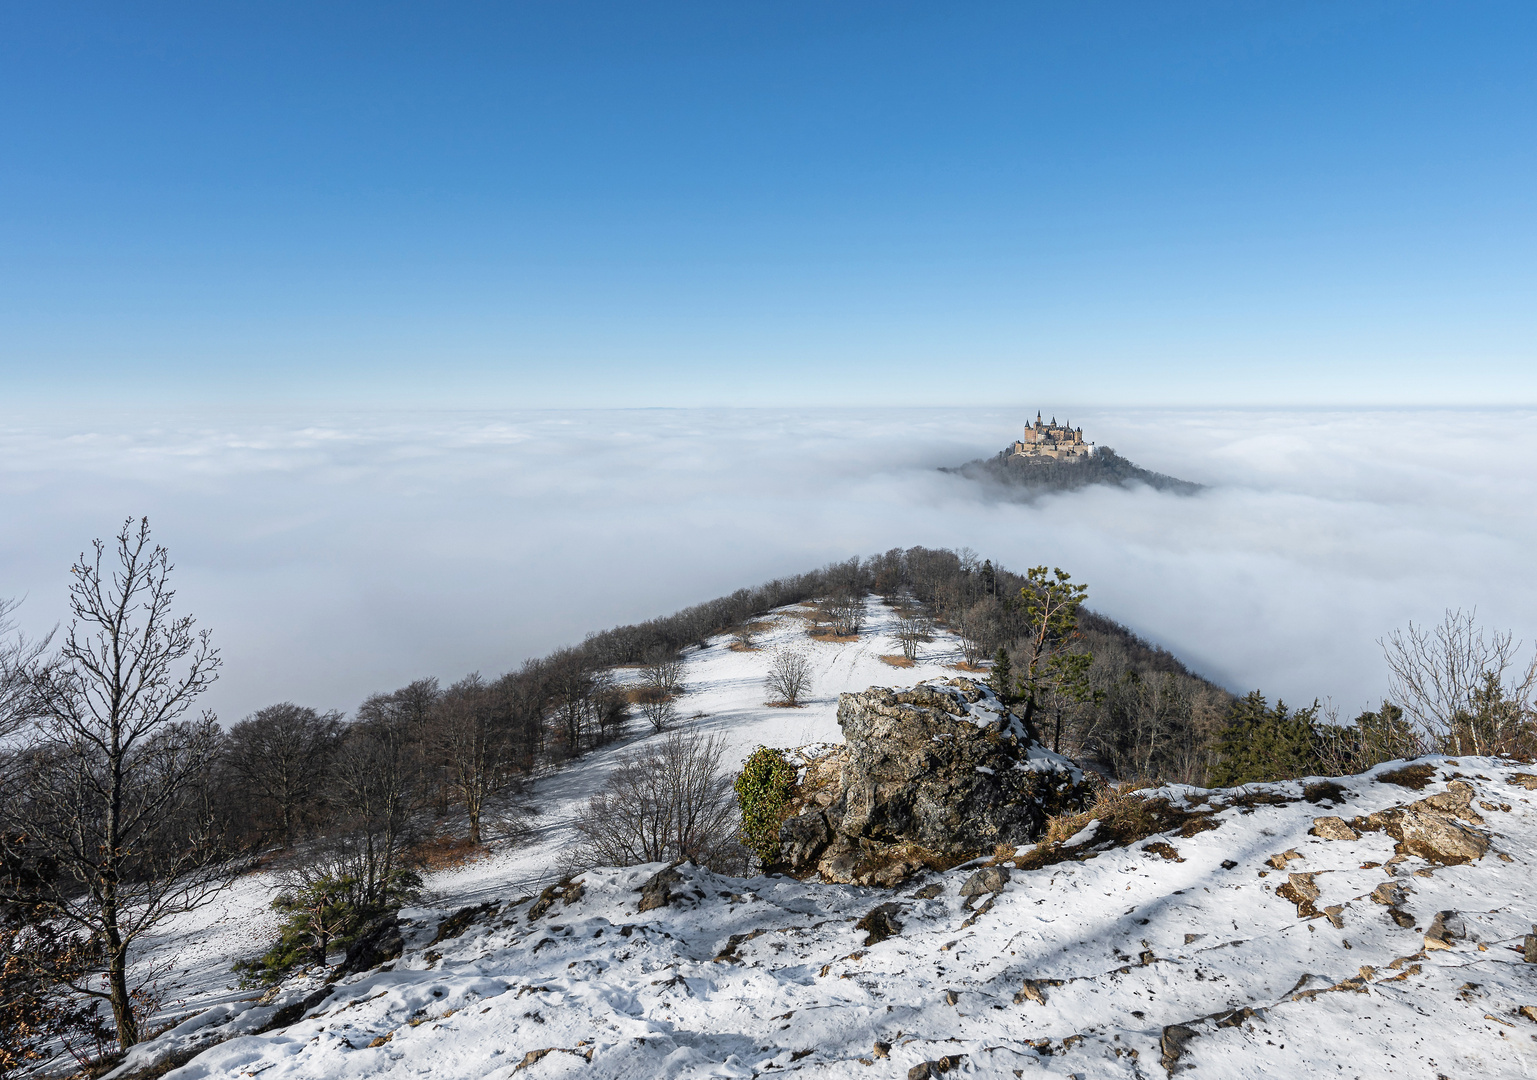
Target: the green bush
pixel 763 791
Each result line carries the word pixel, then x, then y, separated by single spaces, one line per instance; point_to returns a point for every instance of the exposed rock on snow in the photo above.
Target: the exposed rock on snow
pixel 1429 827
pixel 989 879
pixel 378 943
pixel 1333 828
pixel 1446 929
pixel 657 891
pixel 929 776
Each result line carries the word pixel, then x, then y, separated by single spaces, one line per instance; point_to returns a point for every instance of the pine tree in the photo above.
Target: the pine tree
pixel 1261 743
pixel 1002 678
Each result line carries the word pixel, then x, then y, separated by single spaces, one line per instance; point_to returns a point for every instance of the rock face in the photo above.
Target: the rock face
pixel 928 776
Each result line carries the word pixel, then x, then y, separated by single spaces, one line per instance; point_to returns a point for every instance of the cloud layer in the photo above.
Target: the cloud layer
pixel 338 554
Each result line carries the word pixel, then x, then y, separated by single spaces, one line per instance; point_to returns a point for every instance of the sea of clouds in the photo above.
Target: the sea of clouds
pixel 336 554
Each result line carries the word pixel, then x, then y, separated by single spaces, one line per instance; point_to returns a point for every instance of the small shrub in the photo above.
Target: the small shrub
pixel 325 910
pixel 763 791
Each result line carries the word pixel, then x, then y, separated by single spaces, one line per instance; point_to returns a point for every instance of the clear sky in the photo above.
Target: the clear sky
pixel 768 203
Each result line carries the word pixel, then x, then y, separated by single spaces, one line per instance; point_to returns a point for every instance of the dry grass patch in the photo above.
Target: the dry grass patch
pixel 1414 777
pixel 975 669
pixel 839 639
pixel 783 705
pixel 447 853
pixel 737 646
pixel 897 660
pixel 1124 817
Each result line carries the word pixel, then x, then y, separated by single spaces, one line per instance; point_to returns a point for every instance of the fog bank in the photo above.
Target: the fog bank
pixel 336 554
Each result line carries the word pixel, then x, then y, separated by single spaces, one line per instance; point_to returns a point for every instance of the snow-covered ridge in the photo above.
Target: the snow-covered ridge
pixel 1176 953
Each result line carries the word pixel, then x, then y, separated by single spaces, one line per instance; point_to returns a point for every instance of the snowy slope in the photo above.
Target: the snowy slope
pixel 723 688
pixel 1125 965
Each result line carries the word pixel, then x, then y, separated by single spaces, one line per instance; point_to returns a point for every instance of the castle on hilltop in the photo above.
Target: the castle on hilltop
pixel 1044 440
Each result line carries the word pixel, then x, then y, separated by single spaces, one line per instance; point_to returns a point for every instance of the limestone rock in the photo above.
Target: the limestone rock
pixel 1301 890
pixel 1333 828
pixel 1529 947
pixel 1430 829
pixel 802 839
pixel 928 775
pixel 925 1070
pixel 1172 1045
pixel 1446 928
pixel 657 891
pixel 989 879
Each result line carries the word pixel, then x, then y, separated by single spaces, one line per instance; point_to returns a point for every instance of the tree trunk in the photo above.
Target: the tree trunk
pixel 122 1003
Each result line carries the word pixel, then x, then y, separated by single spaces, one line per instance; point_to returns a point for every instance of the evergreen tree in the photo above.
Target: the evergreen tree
pixel 1002 677
pixel 1261 743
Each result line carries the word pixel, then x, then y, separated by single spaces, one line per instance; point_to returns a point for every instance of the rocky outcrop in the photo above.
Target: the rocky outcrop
pixel 1430 827
pixel 928 776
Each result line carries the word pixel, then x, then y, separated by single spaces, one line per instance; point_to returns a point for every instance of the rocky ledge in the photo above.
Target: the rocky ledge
pixel 928 777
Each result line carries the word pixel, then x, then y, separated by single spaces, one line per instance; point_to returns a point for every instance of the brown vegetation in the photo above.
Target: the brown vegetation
pixel 1413 777
pixel 446 853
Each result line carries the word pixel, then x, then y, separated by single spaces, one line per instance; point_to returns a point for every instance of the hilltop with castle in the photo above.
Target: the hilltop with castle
pixel 1043 440
pixel 1056 457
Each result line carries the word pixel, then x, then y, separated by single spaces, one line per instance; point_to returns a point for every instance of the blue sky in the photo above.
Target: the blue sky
pixel 768 203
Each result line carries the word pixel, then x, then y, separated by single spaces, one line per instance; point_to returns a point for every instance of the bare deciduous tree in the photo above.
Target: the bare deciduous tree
pixel 911 630
pixel 789 676
pixel 17 657
pixel 669 800
pixel 663 672
pixel 1463 689
pixel 478 740
pixel 658 709
pixel 281 753
pixel 378 790
pixel 846 612
pixel 106 787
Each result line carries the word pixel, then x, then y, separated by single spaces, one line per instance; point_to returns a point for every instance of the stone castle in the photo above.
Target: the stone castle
pixel 1044 440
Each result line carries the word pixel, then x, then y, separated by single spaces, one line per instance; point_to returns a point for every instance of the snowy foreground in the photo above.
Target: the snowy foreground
pixel 1075 969
pixel 1132 963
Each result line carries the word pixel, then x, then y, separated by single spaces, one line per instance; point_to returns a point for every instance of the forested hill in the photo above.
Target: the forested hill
pixel 1024 478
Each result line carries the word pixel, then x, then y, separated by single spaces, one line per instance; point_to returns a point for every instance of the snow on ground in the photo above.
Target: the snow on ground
pixel 1129 964
pixel 722 687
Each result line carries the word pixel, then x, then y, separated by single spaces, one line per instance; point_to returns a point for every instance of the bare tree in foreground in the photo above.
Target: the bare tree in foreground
pixel 669 800
pixel 107 788
pixel 789 676
pixel 1464 690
